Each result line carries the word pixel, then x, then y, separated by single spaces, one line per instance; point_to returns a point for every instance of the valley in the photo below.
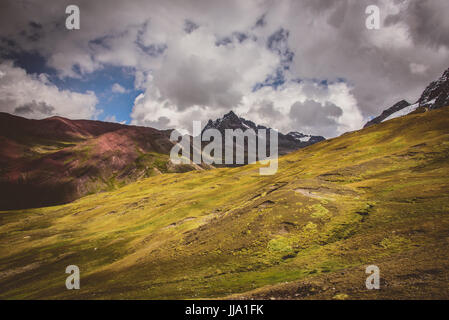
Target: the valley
pixel 374 196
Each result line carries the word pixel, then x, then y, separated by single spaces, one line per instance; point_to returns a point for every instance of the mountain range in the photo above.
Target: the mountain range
pixel 57 160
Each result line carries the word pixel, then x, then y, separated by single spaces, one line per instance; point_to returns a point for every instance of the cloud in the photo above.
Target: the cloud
pixel 190 26
pixel 281 108
pixel 267 106
pixel 198 72
pixel 35 97
pixel 112 118
pixel 311 114
pixel 266 110
pixel 417 68
pixel 34 107
pixel 426 21
pixel 195 59
pixel 117 88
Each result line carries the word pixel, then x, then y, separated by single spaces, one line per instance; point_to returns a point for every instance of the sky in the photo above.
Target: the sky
pixel 302 65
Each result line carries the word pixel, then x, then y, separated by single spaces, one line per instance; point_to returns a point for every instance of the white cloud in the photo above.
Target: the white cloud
pixel 112 118
pixel 35 97
pixel 117 88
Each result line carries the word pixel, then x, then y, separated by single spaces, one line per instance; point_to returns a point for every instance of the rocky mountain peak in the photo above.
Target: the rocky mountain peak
pixel 287 143
pixel 230 121
pixel 231 116
pixel 436 95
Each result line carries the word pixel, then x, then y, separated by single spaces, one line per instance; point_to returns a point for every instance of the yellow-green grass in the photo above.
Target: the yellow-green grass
pixel 363 198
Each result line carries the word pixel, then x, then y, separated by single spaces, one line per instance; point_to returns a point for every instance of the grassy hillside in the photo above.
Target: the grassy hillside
pixel 376 196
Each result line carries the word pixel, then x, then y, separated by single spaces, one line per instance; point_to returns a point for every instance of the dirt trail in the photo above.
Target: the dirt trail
pixel 13 272
pixel 310 194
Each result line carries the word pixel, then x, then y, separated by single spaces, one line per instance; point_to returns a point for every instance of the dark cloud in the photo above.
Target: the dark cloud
pixel 190 26
pixel 33 108
pixel 278 42
pixel 337 18
pixel 266 110
pixel 260 23
pixel 35 25
pixel 235 37
pixel 161 123
pixel 199 88
pixel 427 21
pixel 154 49
pixel 321 117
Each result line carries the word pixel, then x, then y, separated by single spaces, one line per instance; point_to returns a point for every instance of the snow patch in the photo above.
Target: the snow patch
pixel 402 112
pixel 430 102
pixel 300 137
pixel 304 139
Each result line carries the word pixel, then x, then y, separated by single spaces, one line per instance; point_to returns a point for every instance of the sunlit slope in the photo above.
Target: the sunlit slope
pixel 368 197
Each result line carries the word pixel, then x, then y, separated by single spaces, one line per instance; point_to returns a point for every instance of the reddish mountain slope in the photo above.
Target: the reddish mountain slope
pixel 52 128
pixel 57 160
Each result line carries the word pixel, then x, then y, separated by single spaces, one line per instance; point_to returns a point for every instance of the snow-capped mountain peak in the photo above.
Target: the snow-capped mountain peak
pixel 287 143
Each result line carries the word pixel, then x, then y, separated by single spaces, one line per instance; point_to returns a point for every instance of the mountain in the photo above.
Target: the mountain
pixel 378 196
pixel 435 96
pixel 304 140
pixel 57 160
pixel 286 143
pixel 386 113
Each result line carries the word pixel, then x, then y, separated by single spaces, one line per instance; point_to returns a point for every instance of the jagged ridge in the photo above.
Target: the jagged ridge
pixel 287 143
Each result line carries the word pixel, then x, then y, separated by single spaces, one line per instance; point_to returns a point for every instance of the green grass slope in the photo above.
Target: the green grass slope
pixel 376 196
